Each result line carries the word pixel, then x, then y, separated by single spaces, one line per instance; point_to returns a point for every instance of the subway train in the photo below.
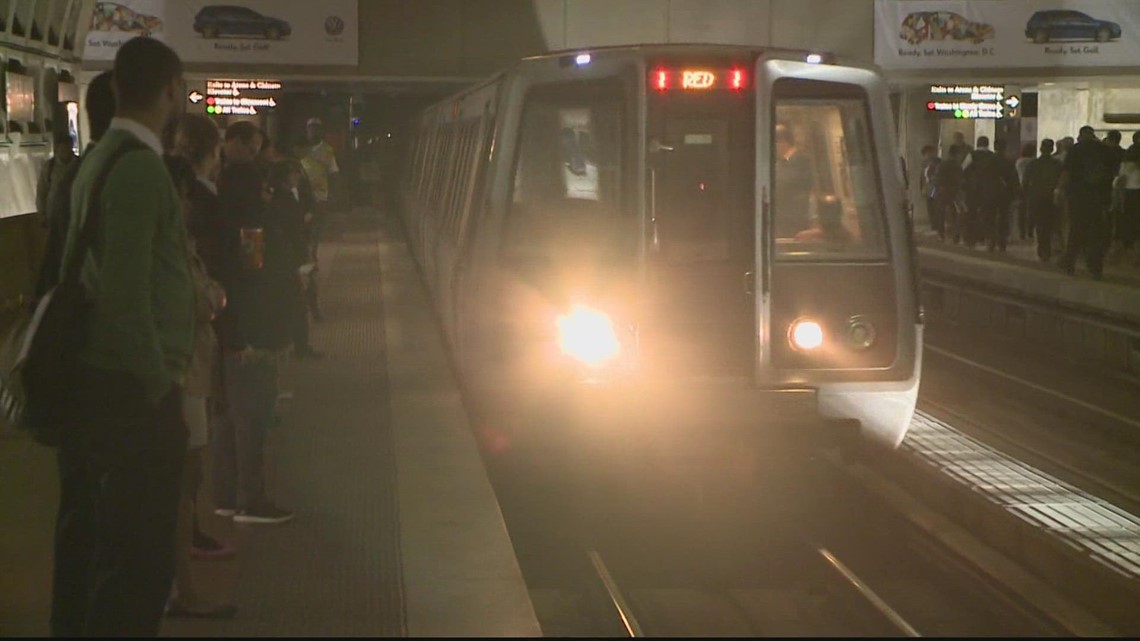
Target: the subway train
pixel 669 238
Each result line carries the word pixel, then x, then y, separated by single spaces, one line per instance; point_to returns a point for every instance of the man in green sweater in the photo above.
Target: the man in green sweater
pixel 121 463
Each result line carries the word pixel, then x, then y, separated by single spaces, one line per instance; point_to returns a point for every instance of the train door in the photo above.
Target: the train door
pixel 833 254
pixel 701 254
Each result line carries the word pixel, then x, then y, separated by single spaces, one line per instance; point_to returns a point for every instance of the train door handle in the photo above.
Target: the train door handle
pixel 749 283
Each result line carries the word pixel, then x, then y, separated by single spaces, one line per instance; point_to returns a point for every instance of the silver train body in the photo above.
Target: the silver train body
pixel 672 235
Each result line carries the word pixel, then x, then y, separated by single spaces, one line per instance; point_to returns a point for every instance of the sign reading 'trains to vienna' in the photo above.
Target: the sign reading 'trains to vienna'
pixel 964 34
pixel 236 97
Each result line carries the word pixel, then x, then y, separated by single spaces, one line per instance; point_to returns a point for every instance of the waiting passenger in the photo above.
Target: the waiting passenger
pixel 198 140
pixel 288 209
pixel 121 467
pixel 197 387
pixel 243 143
pixel 1087 182
pixel 1128 222
pixel 100 105
pixel 53 170
pixel 255 333
pixel 1041 176
pixel 948 193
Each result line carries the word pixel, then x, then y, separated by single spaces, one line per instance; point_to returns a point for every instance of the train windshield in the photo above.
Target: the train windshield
pixel 702 148
pixel 826 199
pixel 570 201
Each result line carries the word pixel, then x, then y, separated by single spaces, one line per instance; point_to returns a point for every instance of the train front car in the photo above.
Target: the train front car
pixel 671 240
pixel 838 307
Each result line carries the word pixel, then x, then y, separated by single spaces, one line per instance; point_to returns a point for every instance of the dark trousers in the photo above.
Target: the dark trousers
pixel 1128 220
pixel 1024 222
pixel 1088 232
pixel 1043 212
pixel 120 473
pixel 934 211
pixel 982 221
pixel 997 225
pixel 239 432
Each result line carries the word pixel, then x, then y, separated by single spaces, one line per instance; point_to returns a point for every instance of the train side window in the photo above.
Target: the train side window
pixel 826 194
pixel 567 183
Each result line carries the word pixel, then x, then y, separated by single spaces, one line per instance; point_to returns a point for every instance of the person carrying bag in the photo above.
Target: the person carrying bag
pixel 38 361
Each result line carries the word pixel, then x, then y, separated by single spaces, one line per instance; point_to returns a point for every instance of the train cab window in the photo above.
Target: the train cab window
pixel 567 199
pixel 826 197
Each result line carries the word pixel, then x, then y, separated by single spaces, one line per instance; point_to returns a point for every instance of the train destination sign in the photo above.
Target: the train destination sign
pixel 971 102
pixel 236 97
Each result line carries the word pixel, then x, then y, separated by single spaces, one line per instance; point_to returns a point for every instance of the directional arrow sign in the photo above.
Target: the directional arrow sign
pixel 195 97
pixel 1013 102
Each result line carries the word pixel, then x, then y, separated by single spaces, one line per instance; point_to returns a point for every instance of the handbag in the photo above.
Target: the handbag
pixel 41 354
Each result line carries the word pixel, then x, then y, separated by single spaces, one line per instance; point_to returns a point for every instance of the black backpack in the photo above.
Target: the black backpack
pixel 57 332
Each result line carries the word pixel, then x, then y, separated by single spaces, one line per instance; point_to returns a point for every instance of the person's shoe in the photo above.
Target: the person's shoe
pixel 208 548
pixel 176 609
pixel 263 513
pixel 225 512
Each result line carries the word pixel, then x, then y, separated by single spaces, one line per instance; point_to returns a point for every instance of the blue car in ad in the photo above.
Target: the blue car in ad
pixel 228 20
pixel 1065 24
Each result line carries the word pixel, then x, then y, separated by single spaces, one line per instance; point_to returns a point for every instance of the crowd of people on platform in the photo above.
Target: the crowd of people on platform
pixel 1076 198
pixel 202 279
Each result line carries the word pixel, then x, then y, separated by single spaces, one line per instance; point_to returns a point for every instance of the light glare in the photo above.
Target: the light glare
pixel 588 336
pixel 814 59
pixel 807 335
pixel 582 59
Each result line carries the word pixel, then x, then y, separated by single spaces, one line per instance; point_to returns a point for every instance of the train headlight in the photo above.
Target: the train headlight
pixel 588 335
pixel 805 335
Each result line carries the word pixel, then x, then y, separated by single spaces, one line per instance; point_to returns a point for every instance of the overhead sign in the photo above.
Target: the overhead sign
pixel 965 34
pixel 237 97
pixel 971 102
pixel 244 31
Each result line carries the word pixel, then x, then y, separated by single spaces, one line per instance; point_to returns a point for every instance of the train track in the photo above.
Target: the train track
pixel 854 570
pixel 863 597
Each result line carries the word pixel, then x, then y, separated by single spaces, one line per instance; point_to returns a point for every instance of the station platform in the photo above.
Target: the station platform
pixel 1019 272
pixel 398 531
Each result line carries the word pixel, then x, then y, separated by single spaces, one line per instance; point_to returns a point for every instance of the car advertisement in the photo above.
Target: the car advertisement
pixel 253 31
pixel 955 34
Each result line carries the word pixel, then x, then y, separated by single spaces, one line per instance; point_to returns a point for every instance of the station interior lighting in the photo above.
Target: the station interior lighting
pixel 814 58
pixel 582 59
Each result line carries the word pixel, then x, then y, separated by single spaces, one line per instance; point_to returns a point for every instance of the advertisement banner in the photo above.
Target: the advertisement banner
pixel 964 34
pixel 249 31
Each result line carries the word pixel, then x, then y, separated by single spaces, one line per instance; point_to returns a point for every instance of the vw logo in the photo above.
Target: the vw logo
pixel 334 26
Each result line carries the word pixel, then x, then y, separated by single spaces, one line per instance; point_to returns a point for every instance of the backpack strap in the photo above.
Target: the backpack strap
pixel 94 208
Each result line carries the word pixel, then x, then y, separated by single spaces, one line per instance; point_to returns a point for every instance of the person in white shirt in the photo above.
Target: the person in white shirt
pixel 1128 223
